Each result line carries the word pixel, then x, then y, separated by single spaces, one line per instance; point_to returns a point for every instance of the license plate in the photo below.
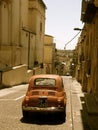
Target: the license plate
pixel 43 103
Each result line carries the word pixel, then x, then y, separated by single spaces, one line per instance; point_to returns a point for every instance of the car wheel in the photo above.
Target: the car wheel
pixel 63 116
pixel 25 114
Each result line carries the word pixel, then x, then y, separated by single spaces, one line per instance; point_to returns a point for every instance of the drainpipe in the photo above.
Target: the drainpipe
pixel 0 77
pixel 29 32
pixel 28 50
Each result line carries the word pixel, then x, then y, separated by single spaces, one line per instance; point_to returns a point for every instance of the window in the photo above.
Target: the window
pixel 41 26
pixel 45 82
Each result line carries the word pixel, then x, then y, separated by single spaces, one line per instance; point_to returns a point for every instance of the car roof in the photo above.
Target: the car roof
pixel 46 76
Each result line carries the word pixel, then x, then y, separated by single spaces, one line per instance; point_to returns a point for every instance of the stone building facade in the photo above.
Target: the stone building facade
pixel 64 62
pixel 49 54
pixel 87 49
pixel 22 27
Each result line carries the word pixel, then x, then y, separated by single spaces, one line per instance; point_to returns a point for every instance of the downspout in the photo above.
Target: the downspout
pixel 28 50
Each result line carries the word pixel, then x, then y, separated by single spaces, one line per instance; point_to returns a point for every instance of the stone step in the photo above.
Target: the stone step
pixel 91 103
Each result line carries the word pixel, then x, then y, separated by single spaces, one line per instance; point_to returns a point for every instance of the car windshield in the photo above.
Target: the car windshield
pixel 45 82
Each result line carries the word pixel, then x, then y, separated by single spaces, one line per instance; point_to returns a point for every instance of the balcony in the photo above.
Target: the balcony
pixel 96 3
pixel 7 1
pixel 88 11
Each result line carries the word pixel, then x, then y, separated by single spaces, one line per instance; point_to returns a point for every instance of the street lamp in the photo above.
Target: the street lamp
pixel 71 39
pixel 78 29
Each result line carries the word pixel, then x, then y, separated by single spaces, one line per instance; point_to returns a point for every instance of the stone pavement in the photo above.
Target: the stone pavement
pixel 78 109
pixel 85 109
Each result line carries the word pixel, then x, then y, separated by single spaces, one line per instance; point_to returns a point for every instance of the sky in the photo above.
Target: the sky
pixel 62 16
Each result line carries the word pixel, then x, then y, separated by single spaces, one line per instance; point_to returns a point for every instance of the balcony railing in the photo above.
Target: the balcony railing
pixel 88 1
pixel 96 3
pixel 88 10
pixel 7 1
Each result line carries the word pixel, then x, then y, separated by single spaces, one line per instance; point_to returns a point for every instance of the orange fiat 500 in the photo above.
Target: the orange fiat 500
pixel 45 94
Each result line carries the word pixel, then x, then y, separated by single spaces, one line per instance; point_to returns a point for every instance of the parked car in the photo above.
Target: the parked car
pixel 45 93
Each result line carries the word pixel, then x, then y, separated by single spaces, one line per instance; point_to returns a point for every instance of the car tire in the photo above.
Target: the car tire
pixel 63 116
pixel 25 114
